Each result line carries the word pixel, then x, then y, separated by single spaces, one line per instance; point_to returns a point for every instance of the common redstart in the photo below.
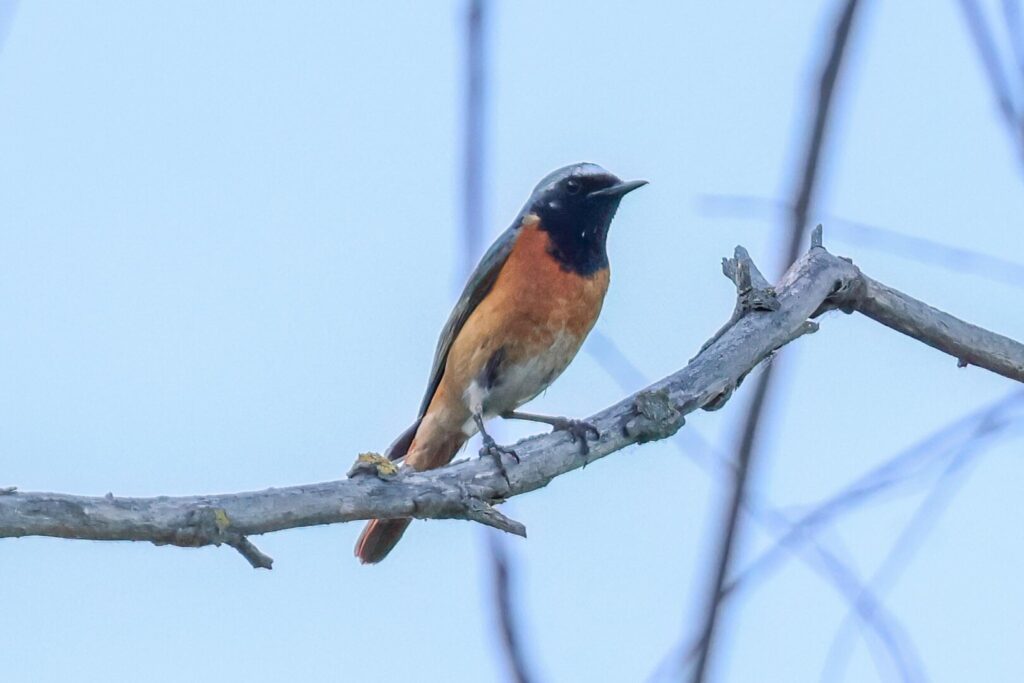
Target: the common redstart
pixel 523 315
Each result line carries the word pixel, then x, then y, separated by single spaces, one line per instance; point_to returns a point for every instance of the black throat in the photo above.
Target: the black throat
pixel 579 234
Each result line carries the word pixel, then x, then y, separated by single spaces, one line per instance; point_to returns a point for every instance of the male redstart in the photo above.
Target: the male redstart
pixel 522 317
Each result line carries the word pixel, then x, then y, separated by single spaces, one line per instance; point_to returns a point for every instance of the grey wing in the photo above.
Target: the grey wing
pixel 479 284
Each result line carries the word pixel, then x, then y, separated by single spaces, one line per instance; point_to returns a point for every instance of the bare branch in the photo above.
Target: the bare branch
pixel 468 489
pixel 968 343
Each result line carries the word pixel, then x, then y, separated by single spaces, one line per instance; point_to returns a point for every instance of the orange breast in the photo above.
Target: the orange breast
pixel 533 304
pixel 538 313
pixel 537 297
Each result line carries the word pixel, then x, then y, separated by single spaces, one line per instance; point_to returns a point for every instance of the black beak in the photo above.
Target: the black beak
pixel 619 190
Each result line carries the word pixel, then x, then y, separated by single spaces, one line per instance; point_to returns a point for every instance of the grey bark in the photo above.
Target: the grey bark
pixel 765 320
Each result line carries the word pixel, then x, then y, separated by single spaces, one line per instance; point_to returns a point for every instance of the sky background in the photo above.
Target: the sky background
pixel 228 241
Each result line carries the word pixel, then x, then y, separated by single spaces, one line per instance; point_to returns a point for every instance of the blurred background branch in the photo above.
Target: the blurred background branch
pixel 475 171
pixel 923 520
pixel 906 468
pixel 510 632
pixel 804 197
pixel 717 465
pixel 1005 91
pixel 8 9
pixel 931 252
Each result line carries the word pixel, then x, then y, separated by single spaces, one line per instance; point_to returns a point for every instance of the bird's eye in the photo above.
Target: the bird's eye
pixel 572 186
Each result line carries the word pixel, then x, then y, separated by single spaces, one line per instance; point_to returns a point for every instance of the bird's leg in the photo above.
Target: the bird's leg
pixel 577 429
pixel 492 449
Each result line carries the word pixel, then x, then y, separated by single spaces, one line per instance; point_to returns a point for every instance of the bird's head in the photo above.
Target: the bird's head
pixel 575 205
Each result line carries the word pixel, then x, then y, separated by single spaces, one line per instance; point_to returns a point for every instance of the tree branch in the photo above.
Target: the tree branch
pixel 971 345
pixel 468 489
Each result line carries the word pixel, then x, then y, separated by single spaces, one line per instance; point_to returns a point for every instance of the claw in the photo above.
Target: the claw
pixel 578 430
pixel 494 450
pixel 490 448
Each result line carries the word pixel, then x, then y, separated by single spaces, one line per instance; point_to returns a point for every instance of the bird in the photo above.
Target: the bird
pixel 521 319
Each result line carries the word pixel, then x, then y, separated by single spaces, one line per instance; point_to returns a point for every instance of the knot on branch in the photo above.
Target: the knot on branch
pixel 206 525
pixel 203 526
pixel 656 417
pixel 719 399
pixel 756 300
pixel 846 294
pixel 847 290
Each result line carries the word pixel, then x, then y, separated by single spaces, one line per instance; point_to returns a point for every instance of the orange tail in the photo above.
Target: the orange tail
pixel 378 538
pixel 430 451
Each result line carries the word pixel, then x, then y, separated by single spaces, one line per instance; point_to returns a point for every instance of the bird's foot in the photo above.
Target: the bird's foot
pixel 492 449
pixel 578 430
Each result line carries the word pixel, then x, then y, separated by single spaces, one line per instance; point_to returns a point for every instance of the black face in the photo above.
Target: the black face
pixel 576 206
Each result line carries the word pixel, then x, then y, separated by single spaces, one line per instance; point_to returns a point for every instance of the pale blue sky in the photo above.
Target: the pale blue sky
pixel 228 240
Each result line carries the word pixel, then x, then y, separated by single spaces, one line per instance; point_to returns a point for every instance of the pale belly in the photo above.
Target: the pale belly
pixel 520 382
